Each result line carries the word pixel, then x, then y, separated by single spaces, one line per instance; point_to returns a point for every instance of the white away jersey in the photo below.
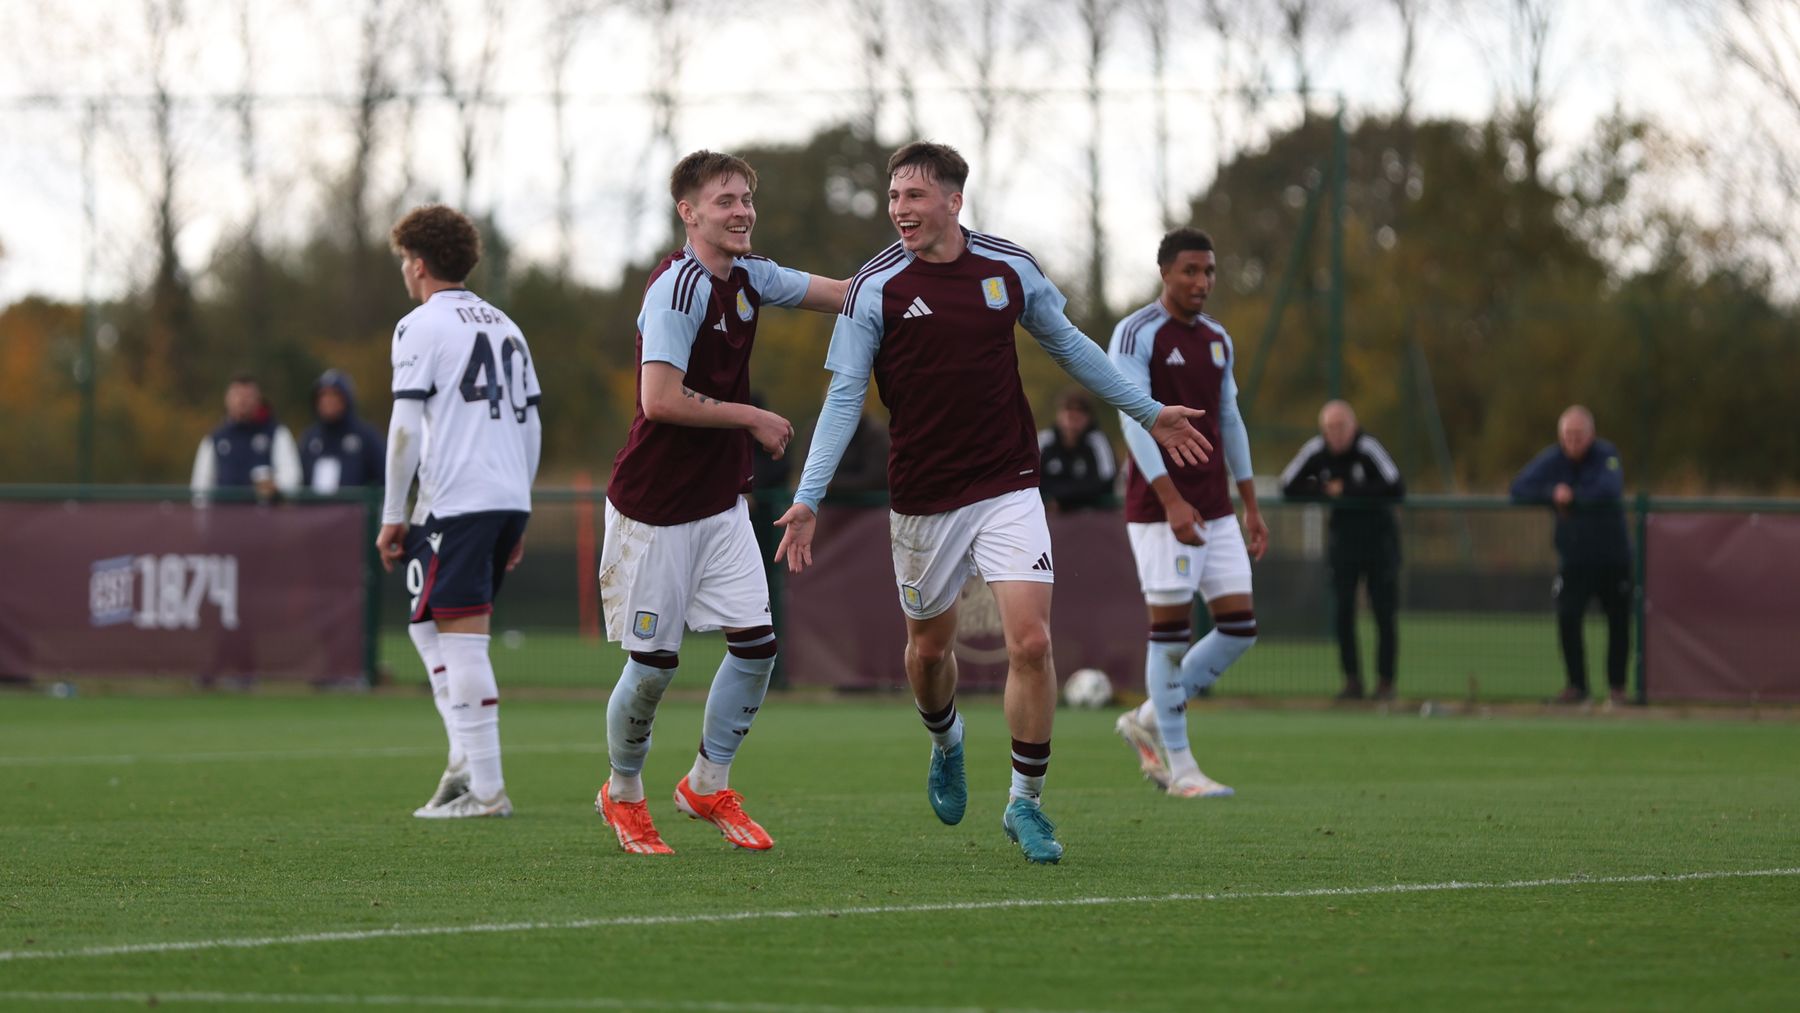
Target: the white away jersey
pixel 468 362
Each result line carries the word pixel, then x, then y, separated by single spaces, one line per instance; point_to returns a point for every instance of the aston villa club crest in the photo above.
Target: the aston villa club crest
pixel 745 312
pixel 994 291
pixel 911 596
pixel 1218 350
pixel 1182 566
pixel 645 625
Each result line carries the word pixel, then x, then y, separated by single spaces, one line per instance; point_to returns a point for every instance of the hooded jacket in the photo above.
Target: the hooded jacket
pixel 347 452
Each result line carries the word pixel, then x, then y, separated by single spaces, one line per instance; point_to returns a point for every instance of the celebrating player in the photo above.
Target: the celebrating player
pixel 679 545
pixel 1183 529
pixel 931 318
pixel 466 419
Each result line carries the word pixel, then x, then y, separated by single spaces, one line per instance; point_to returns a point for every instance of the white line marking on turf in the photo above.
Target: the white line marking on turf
pixel 236 756
pixel 480 1002
pixel 642 921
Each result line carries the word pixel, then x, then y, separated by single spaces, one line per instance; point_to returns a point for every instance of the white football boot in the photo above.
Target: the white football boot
pixel 467 806
pixel 452 785
pixel 1146 741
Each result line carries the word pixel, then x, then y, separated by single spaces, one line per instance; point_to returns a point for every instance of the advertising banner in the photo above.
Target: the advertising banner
pixel 1720 600
pixel 845 627
pixel 227 590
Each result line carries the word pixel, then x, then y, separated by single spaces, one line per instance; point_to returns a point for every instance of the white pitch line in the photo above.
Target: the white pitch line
pixel 480 1002
pixel 238 756
pixel 644 921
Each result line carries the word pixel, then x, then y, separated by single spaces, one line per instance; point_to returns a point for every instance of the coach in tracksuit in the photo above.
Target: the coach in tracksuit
pixel 249 449
pixel 1350 468
pixel 1582 479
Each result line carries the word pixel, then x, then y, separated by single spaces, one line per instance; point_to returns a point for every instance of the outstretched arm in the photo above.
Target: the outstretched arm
pixel 824 295
pixel 837 423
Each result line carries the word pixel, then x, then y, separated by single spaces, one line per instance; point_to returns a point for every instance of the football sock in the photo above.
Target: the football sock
pixel 630 715
pixel 425 638
pixel 1233 634
pixel 1168 696
pixel 737 694
pixel 1029 761
pixel 1181 762
pixel 474 709
pixel 945 726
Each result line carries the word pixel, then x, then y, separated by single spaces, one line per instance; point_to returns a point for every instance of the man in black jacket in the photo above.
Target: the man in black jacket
pixel 1076 460
pixel 1582 480
pixel 340 449
pixel 1349 468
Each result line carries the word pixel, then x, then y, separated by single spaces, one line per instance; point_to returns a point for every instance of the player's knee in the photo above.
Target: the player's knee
pixel 754 644
pixel 1029 647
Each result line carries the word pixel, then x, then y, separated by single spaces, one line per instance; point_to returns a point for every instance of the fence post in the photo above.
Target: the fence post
pixel 1642 507
pixel 372 497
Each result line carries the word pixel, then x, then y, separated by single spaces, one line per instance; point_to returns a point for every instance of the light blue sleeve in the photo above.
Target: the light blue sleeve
pixel 851 359
pixel 1133 364
pixel 1232 432
pixel 831 435
pixel 778 286
pixel 668 323
pixel 1074 352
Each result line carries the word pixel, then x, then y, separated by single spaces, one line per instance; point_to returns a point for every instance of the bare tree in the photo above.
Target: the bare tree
pixel 1761 40
pixel 1156 17
pixel 569 19
pixel 171 300
pixel 1411 14
pixel 978 42
pixel 1304 25
pixel 1243 70
pixel 467 81
pixel 670 38
pixel 1523 73
pixel 1096 20
pixel 374 89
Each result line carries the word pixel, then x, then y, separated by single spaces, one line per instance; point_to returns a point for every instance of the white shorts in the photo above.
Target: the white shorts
pixel 704 574
pixel 1004 537
pixel 1171 573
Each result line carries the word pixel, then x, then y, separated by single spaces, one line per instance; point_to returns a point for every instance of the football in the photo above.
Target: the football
pixel 1088 689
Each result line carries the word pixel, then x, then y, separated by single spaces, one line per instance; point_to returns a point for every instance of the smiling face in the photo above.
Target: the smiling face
pixel 924 211
pixel 721 214
pixel 1188 280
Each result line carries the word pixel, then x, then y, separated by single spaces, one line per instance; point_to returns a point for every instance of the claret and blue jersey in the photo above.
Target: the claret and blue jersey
pixel 704 326
pixel 938 339
pixel 1185 363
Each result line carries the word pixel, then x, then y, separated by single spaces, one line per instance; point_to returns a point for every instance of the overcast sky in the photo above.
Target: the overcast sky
pixel 754 72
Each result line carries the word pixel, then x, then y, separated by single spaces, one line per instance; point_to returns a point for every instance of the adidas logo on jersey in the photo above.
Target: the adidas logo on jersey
pixel 1175 358
pixel 917 309
pixel 720 325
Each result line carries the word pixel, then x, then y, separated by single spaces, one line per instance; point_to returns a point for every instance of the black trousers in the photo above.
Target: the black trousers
pixel 1380 572
pixel 1575 587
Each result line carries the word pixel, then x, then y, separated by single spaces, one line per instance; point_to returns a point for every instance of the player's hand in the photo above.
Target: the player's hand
pixel 1258 534
pixel 1334 488
pixel 796 539
pixel 390 544
pixel 518 553
pixel 1184 521
pixel 1562 495
pixel 1174 429
pixel 772 433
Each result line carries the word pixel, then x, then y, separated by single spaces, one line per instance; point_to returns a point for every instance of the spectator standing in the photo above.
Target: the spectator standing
pixel 249 449
pixel 340 449
pixel 1075 457
pixel 1352 471
pixel 1581 478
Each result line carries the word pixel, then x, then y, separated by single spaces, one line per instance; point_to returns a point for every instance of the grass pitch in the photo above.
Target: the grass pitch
pixel 223 852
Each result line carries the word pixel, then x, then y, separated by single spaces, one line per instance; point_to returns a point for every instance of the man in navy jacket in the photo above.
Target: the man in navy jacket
pixel 1581 478
pixel 340 449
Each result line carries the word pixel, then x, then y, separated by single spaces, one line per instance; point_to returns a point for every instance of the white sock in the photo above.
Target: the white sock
pixel 1181 763
pixel 425 637
pixel 474 709
pixel 1030 763
pixel 630 717
pixel 709 776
